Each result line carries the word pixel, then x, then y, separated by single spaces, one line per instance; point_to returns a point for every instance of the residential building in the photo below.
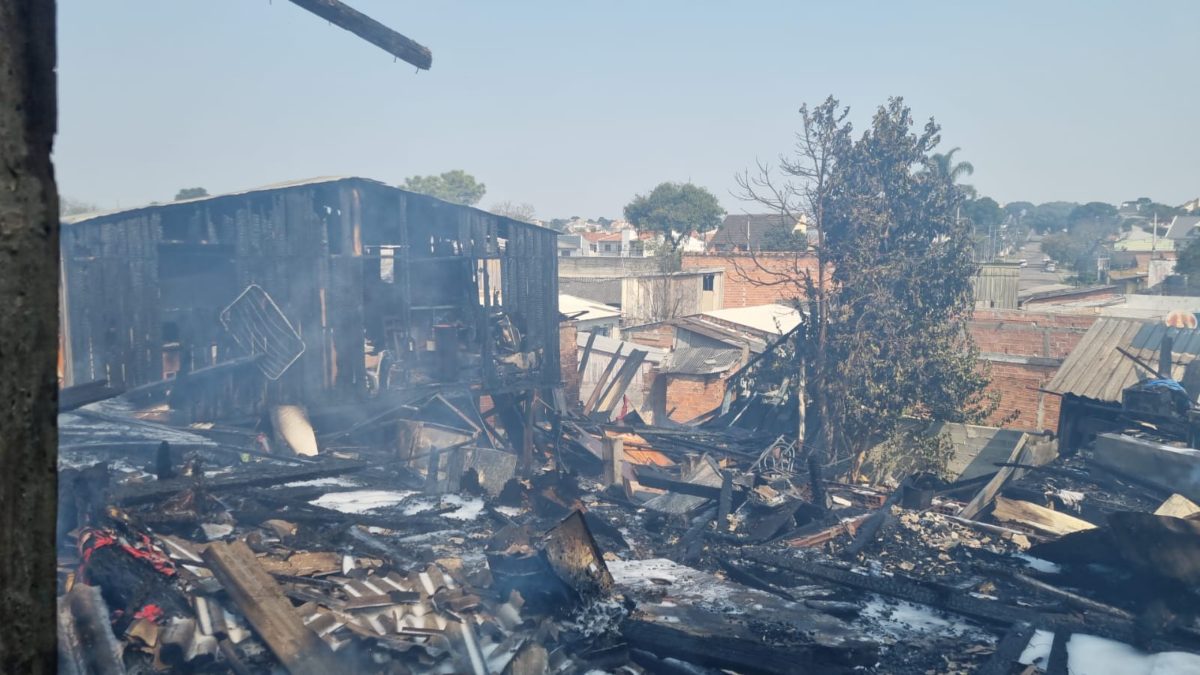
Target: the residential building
pixel 749 232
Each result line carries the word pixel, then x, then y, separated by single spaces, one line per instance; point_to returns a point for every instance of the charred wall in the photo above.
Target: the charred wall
pixel 349 262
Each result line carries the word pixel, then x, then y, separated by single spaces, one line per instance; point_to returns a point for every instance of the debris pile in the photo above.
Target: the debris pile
pixel 457 523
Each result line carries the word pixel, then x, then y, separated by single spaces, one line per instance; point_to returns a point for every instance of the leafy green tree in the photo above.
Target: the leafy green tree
pixel 943 163
pixel 455 186
pixel 1096 214
pixel 673 210
pixel 1163 212
pixel 1189 259
pixel 885 306
pixel 191 193
pixel 1019 210
pixel 783 238
pixel 1051 216
pixel 983 212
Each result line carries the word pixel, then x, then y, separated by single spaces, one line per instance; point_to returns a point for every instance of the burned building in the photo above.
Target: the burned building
pixel 335 287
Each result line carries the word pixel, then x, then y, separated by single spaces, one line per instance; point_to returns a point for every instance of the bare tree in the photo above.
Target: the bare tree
pixel 885 292
pixel 523 211
pixel 802 190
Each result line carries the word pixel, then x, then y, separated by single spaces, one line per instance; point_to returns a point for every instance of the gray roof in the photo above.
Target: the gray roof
pixel 1183 227
pixel 733 337
pixel 1096 370
pixel 748 230
pixel 700 361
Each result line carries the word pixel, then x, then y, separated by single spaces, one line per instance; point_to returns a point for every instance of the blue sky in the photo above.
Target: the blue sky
pixel 576 106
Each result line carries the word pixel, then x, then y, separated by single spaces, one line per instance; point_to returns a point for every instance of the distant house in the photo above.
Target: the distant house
pixel 623 243
pixel 1184 227
pixel 749 232
pixel 571 246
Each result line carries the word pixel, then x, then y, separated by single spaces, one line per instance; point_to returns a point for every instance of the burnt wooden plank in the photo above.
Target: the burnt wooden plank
pixel 256 476
pixel 260 599
pixel 1008 650
pixel 369 29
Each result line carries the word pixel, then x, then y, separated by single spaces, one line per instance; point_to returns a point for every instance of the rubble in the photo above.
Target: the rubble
pixel 457 514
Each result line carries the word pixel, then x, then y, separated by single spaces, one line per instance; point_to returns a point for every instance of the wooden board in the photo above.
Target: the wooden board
pixel 1177 506
pixel 1037 517
pixel 272 615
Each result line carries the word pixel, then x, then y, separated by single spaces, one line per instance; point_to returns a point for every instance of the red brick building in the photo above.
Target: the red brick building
pixel 756 279
pixel 1023 351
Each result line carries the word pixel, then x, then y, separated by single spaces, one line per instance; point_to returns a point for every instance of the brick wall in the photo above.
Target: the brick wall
pixel 1028 333
pixel 688 396
pixel 568 354
pixel 756 279
pixel 661 335
pixel 1023 351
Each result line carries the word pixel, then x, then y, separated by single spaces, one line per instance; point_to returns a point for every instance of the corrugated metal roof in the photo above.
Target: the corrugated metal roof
pixel 609 346
pixel 285 185
pixel 721 333
pixel 700 361
pixel 70 220
pixel 1096 370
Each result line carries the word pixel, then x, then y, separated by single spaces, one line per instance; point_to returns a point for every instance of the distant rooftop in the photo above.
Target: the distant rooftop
pixel 774 318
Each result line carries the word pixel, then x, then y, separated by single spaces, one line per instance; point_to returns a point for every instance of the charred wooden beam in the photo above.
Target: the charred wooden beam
pixel 100 649
pixel 148 492
pixel 1008 650
pixel 661 481
pixel 261 601
pixel 949 599
pixel 344 16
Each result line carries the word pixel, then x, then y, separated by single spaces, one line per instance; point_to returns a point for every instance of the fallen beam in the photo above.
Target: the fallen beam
pixel 661 481
pixel 949 599
pixel 148 492
pixel 1073 599
pixel 1039 518
pixel 99 647
pixel 344 16
pixel 271 614
pixel 1008 650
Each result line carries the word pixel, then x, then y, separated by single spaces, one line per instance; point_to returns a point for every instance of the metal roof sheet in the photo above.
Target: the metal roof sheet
pixel 608 346
pixel 1096 370
pixel 700 361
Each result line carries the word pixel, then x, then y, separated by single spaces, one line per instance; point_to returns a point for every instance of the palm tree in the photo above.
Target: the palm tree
pixel 945 164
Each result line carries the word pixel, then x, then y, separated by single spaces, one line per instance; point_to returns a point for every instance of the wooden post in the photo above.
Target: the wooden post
pixel 527 439
pixel 29 274
pixel 725 503
pixel 454 469
pixel 432 483
pixel 614 457
pixel 1164 356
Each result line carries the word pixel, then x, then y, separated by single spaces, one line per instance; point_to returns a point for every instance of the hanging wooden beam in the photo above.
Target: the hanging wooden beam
pixel 602 382
pixel 342 15
pixel 616 389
